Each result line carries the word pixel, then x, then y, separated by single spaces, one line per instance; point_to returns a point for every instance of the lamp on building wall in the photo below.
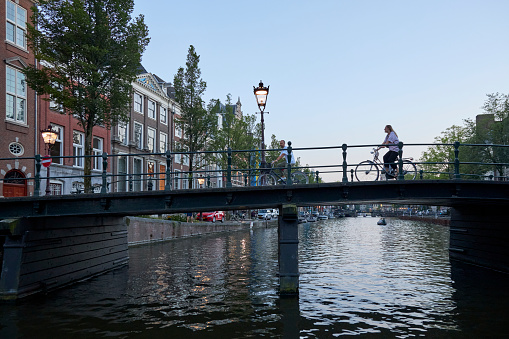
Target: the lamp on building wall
pixel 50 137
pixel 261 94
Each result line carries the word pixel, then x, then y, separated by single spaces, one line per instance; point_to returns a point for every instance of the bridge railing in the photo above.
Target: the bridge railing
pixel 106 175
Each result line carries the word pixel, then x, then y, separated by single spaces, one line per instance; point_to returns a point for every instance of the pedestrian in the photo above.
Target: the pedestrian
pixel 284 153
pixel 390 157
pixel 189 217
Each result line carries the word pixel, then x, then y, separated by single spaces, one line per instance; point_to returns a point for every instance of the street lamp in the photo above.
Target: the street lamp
pixel 50 137
pixel 261 93
pixel 201 181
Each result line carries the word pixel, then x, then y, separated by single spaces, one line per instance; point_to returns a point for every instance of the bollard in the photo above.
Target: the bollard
pixel 37 175
pixel 401 176
pixel 345 165
pixel 105 167
pixel 289 164
pixel 456 160
pixel 167 186
pixel 229 169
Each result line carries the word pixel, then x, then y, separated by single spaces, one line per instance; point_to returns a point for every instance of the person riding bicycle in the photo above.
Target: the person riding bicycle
pixel 392 154
pixel 284 153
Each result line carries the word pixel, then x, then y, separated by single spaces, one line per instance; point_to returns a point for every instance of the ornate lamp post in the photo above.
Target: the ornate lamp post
pixel 261 93
pixel 50 137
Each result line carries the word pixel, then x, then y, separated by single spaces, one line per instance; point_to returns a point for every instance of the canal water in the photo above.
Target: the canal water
pixel 356 279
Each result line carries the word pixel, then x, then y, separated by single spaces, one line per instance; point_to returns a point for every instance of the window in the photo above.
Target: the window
pixel 78 187
pixel 177 180
pixel 138 103
pixel 138 135
pixel 178 132
pixel 58 148
pixel 151 110
pixel 151 139
pixel 78 145
pixel 137 170
pixel 55 188
pixel 163 116
pixel 123 129
pixel 122 174
pixel 163 142
pixel 16 95
pixel 98 151
pixel 54 105
pixel 16 24
pixel 162 177
pixel 178 157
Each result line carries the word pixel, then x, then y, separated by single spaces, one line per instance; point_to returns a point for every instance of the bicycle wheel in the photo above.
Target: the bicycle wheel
pixel 409 170
pixel 266 179
pixel 367 171
pixel 299 178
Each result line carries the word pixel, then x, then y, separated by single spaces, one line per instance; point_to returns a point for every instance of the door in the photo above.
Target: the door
pixel 15 184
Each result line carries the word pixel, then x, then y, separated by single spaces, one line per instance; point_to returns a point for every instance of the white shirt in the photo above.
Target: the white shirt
pixel 285 153
pixel 392 138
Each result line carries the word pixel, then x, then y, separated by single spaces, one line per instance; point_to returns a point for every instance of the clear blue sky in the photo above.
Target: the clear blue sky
pixel 340 70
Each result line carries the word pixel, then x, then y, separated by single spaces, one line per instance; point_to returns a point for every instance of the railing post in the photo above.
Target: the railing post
pixel 208 180
pixel 289 164
pixel 37 187
pixel 229 169
pixel 317 172
pixel 421 174
pixel 351 174
pixel 401 175
pixel 105 166
pixel 345 165
pixel 456 160
pixel 245 179
pixel 167 186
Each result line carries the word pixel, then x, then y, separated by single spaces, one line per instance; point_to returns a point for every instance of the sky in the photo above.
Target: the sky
pixel 339 70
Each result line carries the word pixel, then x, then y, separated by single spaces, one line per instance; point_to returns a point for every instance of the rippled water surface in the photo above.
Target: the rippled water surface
pixel 356 279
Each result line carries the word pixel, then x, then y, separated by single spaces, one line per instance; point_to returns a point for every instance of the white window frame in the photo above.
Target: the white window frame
pixel 176 179
pixel 163 142
pixel 78 149
pixel 163 115
pixel 123 132
pixel 151 109
pixel 138 138
pixel 138 102
pixel 97 152
pixel 137 175
pixel 123 178
pixel 15 87
pixel 18 24
pixel 151 139
pixel 178 132
pixel 59 143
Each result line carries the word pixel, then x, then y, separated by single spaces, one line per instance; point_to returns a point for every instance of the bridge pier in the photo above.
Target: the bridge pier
pixel 43 254
pixel 479 235
pixel 288 256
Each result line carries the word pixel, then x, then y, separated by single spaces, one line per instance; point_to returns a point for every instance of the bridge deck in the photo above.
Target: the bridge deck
pixel 416 192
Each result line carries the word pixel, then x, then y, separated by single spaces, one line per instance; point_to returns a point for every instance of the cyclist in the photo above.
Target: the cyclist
pixel 392 154
pixel 284 153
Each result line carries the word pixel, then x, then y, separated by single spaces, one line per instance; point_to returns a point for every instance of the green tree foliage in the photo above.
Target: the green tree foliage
pixel 195 121
pixel 238 133
pixel 89 51
pixel 439 159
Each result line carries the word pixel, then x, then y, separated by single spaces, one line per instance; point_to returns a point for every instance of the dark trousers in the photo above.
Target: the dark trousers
pixel 389 158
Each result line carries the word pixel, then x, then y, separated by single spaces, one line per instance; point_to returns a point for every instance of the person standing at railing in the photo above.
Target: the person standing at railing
pixel 284 153
pixel 392 154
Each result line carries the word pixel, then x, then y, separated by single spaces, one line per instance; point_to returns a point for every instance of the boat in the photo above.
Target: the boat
pixel 381 222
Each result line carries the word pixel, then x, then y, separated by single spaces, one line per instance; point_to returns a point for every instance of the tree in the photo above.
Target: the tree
pixel 195 121
pixel 89 51
pixel 438 160
pixel 237 133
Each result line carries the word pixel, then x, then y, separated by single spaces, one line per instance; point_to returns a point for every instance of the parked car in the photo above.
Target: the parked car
pixel 265 214
pixel 213 216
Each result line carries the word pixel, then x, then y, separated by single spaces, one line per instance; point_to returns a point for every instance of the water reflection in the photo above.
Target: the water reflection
pixel 357 278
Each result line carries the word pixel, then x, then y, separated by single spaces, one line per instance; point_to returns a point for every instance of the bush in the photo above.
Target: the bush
pixel 177 217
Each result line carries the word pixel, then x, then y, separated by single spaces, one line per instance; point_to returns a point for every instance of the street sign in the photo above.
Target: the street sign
pixel 46 161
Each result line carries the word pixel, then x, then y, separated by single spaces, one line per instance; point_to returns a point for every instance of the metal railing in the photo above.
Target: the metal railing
pixel 104 180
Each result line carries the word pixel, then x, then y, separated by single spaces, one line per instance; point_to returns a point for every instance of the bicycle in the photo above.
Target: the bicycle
pixel 269 177
pixel 369 170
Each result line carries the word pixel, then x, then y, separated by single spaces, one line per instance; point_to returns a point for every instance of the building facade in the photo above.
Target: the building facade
pixel 19 123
